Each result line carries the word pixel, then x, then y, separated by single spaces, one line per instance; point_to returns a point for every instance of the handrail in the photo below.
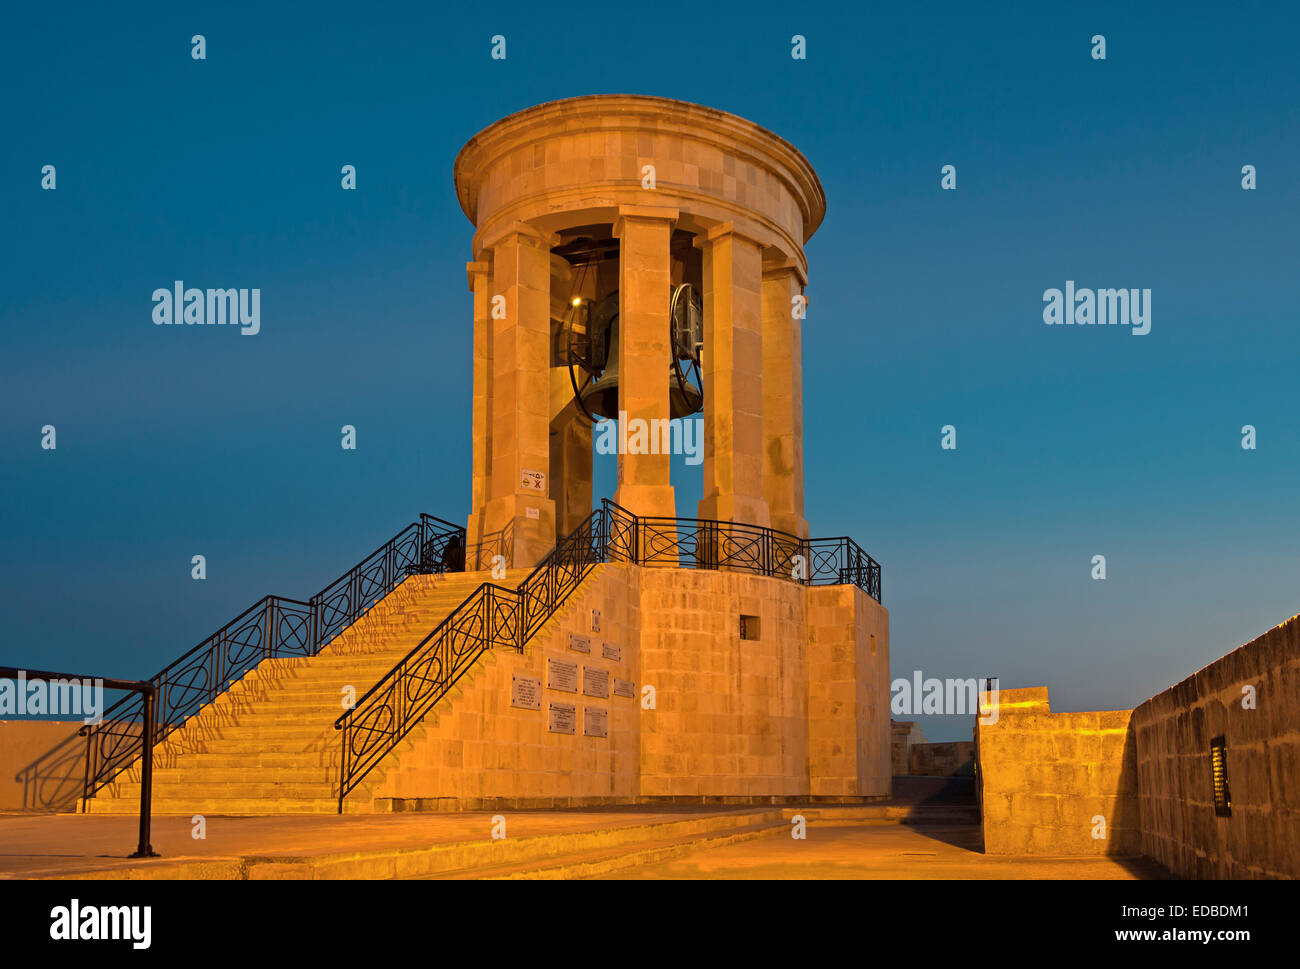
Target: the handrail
pixel 273 626
pixel 493 615
pixel 735 546
pixel 147 693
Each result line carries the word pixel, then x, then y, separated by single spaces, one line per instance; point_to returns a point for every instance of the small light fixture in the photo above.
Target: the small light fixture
pixel 1219 777
pixel 577 300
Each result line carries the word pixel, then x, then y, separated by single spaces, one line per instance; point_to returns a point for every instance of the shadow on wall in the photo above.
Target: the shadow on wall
pixel 42 765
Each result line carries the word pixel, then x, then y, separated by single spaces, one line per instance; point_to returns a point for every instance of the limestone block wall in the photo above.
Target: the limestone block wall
pixel 848 694
pixel 904 735
pixel 731 717
pixel 1046 777
pixel 952 759
pixel 484 753
pixel 798 710
pixel 1261 837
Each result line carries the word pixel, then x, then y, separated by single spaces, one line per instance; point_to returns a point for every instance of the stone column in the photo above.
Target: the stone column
pixel 644 352
pixel 479 277
pixel 733 378
pixel 571 467
pixel 519 497
pixel 783 398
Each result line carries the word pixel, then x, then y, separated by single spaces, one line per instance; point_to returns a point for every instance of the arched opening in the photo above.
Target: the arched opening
pixel 586 437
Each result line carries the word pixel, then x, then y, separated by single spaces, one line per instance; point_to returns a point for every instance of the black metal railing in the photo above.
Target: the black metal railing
pixel 496 616
pixel 273 627
pixel 483 554
pixel 492 615
pixel 147 694
pixel 736 547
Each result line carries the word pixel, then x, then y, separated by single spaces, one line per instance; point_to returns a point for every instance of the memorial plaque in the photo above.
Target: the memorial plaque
pixel 532 513
pixel 624 688
pixel 610 651
pixel 595 620
pixel 525 692
pixel 579 644
pixel 595 682
pixel 563 718
pixel 595 722
pixel 561 674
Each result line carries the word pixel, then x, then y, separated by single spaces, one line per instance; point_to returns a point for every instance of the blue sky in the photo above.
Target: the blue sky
pixel 925 309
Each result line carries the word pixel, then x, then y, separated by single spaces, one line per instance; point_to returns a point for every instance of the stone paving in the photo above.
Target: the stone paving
pixel 41 845
pixel 889 851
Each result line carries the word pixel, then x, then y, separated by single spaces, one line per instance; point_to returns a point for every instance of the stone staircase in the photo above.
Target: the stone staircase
pixel 268 744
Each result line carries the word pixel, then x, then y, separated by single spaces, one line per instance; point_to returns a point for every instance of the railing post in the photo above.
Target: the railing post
pixel 354 589
pixel 313 627
pixel 219 650
pixel 268 632
pixel 399 701
pixel 343 761
pixel 145 849
pixel 85 783
pixel 521 612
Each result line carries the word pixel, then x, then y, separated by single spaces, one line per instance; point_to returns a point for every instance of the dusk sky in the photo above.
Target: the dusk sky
pixel 925 310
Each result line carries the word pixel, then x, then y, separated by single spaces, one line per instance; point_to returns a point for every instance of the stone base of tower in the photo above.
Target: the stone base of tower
pixel 798 710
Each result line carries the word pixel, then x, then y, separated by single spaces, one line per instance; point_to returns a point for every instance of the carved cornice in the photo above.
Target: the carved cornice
pixel 606 113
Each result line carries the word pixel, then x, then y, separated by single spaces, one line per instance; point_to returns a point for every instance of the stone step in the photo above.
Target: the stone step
pixel 598 864
pixel 173 790
pixel 572 853
pixel 253 737
pixel 246 724
pixel 202 776
pixel 324 677
pixel 354 658
pixel 240 722
pixel 268 745
pixel 592 852
pixel 295 693
pixel 323 697
pixel 215 807
pixel 253 759
pixel 423 606
pixel 279 745
pixel 322 701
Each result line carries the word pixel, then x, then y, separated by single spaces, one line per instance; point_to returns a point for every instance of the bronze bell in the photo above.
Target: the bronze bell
pixel 600 397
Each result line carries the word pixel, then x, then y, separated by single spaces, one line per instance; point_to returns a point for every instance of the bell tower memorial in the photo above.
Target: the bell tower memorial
pixel 639 260
pixel 624 216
